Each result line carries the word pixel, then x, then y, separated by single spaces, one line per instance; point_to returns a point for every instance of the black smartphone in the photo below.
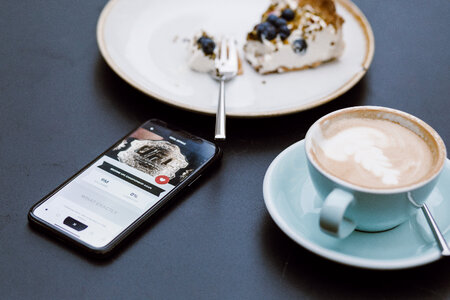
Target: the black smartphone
pixel 109 198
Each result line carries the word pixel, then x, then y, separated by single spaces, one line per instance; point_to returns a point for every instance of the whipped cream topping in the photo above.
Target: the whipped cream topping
pixel 198 60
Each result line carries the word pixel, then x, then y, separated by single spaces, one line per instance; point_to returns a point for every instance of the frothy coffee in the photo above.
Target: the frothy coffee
pixel 372 152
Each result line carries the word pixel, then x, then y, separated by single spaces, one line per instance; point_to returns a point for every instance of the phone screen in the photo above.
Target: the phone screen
pixel 125 183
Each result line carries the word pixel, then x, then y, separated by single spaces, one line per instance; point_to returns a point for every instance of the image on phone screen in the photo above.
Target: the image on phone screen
pixel 124 184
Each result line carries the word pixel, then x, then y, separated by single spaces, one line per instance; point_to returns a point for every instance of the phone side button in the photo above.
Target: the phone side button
pixel 194 180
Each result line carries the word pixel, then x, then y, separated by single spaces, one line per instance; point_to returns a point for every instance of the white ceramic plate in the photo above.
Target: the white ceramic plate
pixel 294 205
pixel 144 42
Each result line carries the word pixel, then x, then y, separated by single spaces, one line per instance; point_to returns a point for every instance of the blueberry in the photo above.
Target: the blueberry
pixel 270 33
pixel 262 27
pixel 283 36
pixel 200 40
pixel 280 22
pixel 284 32
pixel 207 45
pixel 284 29
pixel 299 46
pixel 266 30
pixel 288 14
pixel 272 19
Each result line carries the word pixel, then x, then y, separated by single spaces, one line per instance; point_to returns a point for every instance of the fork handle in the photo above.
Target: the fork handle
pixel 220 116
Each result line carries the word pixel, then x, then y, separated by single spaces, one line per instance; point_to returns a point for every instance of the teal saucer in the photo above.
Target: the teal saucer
pixel 294 205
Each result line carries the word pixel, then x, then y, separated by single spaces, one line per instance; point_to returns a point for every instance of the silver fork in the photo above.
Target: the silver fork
pixel 226 67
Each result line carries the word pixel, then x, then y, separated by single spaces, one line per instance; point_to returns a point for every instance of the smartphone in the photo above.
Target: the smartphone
pixel 113 195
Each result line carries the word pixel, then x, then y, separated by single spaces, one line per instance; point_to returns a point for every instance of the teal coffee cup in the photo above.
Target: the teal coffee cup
pixel 373 167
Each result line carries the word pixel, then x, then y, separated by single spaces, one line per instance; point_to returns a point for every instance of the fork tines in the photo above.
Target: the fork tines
pixel 227 57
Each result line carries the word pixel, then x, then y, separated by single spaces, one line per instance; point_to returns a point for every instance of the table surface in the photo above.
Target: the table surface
pixel 61 105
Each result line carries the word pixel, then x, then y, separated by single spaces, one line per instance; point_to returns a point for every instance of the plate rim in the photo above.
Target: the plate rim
pixel 365 263
pixel 347 4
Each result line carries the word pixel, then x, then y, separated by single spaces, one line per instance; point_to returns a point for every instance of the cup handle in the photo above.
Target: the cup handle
pixel 332 220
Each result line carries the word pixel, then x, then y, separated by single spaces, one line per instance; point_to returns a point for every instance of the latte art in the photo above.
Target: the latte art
pixel 372 153
pixel 363 145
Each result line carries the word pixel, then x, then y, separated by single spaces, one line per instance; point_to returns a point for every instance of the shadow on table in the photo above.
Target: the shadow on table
pixel 322 278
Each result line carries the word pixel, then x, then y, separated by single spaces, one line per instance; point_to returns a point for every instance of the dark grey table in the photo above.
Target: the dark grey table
pixel 61 105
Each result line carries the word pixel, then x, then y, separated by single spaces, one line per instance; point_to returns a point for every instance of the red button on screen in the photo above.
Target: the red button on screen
pixel 162 179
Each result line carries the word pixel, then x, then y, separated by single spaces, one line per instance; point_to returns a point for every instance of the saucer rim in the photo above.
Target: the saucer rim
pixel 333 255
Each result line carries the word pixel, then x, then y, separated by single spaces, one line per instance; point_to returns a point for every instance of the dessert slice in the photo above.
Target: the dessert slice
pixel 294 35
pixel 202 51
